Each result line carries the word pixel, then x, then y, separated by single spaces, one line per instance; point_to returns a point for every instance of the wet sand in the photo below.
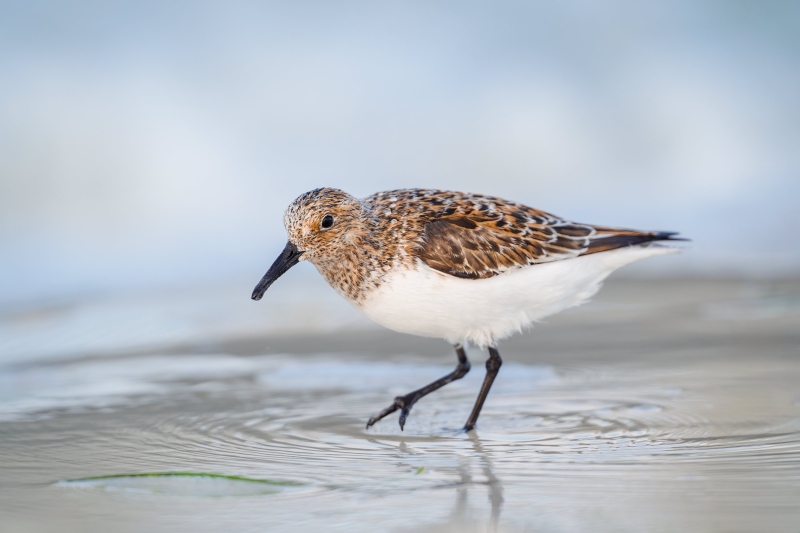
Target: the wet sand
pixel 667 405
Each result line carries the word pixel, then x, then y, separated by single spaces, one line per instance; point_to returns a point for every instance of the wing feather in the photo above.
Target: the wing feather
pixel 476 236
pixel 477 249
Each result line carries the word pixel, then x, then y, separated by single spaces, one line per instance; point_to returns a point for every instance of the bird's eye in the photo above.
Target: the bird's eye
pixel 327 221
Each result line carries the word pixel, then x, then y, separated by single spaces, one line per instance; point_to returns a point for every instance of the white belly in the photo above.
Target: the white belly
pixel 422 301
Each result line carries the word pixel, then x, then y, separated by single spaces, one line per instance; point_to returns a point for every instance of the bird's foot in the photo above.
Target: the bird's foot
pixel 404 403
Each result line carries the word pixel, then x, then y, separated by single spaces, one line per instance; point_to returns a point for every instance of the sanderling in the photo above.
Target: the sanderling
pixel 467 268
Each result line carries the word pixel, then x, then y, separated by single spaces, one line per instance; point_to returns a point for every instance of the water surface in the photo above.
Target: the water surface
pixel 672 406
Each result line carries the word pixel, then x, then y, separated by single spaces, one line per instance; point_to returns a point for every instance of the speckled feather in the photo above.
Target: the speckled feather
pixel 469 236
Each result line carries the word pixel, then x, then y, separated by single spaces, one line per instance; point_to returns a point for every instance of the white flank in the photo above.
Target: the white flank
pixel 422 301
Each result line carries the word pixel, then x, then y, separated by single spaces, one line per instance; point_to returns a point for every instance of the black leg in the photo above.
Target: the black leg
pixel 405 403
pixel 493 365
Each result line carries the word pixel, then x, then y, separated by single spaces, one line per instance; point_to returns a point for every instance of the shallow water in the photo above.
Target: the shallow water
pixel 672 406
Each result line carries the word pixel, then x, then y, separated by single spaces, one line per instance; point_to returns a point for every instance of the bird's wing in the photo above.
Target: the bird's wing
pixel 483 245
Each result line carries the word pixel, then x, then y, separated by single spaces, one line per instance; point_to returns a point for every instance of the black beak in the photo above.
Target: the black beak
pixel 289 257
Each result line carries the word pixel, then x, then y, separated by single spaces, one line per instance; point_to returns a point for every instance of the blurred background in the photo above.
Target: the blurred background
pixel 148 150
pixel 153 145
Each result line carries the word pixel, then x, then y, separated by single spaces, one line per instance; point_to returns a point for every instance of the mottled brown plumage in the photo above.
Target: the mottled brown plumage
pixel 476 236
pixel 470 236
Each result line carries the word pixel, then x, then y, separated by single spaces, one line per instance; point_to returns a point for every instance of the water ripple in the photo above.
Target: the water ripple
pixel 544 430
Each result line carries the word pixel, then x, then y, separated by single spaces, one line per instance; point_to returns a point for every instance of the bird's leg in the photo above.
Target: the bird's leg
pixel 493 365
pixel 405 403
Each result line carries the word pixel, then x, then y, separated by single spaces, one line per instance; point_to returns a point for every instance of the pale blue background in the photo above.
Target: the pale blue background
pixel 146 145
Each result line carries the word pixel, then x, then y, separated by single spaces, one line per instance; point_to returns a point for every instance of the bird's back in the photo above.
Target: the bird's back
pixel 476 236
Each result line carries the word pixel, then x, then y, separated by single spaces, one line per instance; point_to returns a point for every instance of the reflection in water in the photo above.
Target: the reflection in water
pixel 492 482
pixel 465 485
pixel 495 486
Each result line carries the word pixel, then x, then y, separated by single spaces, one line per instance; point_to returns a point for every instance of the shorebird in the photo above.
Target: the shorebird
pixel 467 268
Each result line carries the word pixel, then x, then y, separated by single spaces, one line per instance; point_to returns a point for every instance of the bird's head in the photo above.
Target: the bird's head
pixel 319 224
